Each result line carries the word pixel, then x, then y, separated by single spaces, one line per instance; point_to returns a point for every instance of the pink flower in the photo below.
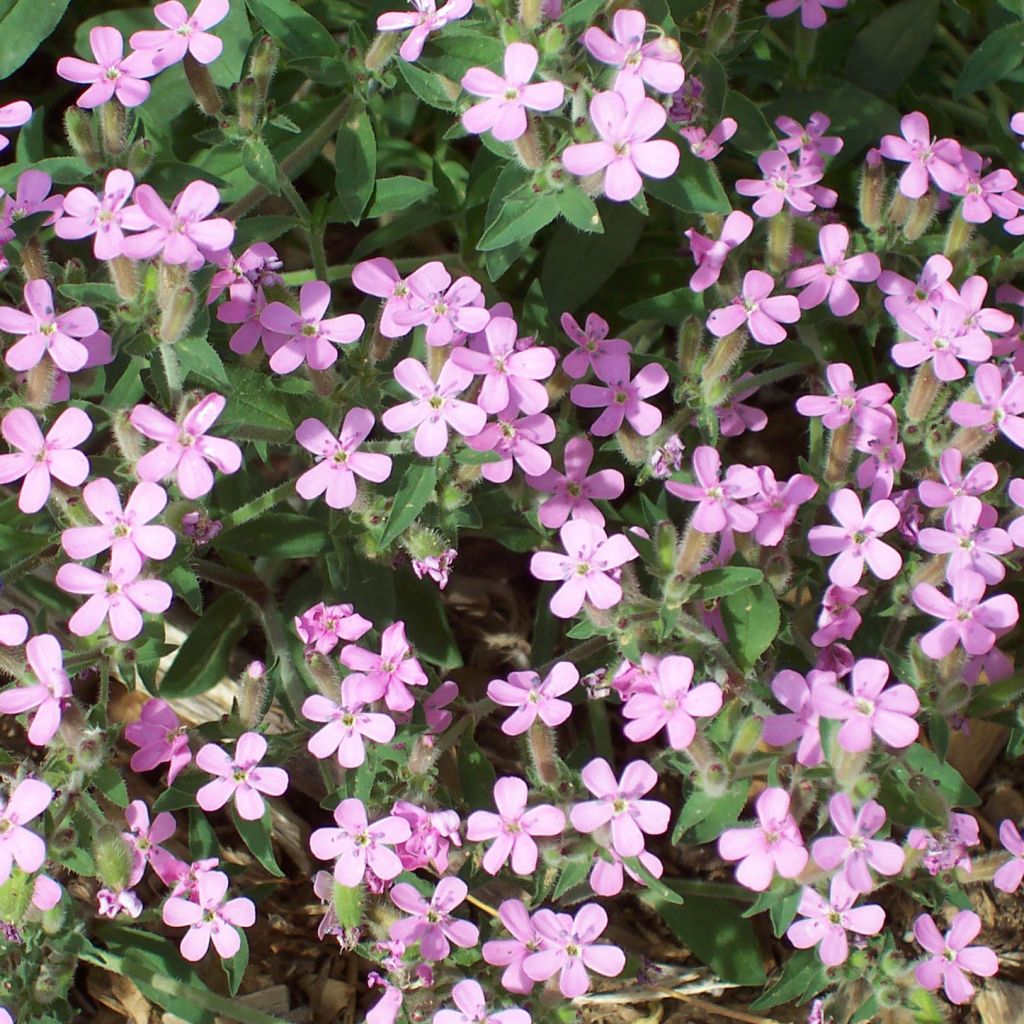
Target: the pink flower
pixel 932 287
pixel 776 504
pixel 940 335
pixel 116 593
pixel 571 950
pixel 47 333
pixel 426 19
pixel 468 996
pixel 437 567
pixel 980 479
pixel 431 924
pixel 18 845
pixel 388 674
pixel 357 845
pixel 985 195
pixel 925 157
pixel 626 150
pixel 1010 874
pixel 86 213
pixel 773 846
pixel 826 922
pixel 124 531
pixel 184 33
pixel 321 627
pixel 717 507
pixel 1015 492
pixel 707 145
pixel 161 738
pixel 13 629
pixel 32 196
pixel 969 620
pixel 854 848
pixel 339 462
pixel 13 115
pixel 444 308
pixel 112 903
pixel 210 916
pixel 618 805
pixel 846 402
pixel 184 449
pixel 145 839
pixel 810 140
pixel 574 489
pixel 710 256
pixel 870 708
pixel 308 337
pixel 968 544
pixel 183 233
pixel 503 112
pixel 113 74
pixel 387 1009
pixel 952 956
pixel 514 440
pixel 1001 405
pixel 346 725
pixel 622 398
pixel 533 698
pixel 658 63
pixel 831 278
pixel 856 539
pixel 379 277
pixel 433 834
pixel 839 620
pixel 512 953
pixel 783 184
pixel 812 12
pixel 796 693
pixel 672 705
pixel 434 407
pixel 595 348
pixel 39 459
pixel 513 827
pixel 239 777
pixel 754 307
pixel 586 570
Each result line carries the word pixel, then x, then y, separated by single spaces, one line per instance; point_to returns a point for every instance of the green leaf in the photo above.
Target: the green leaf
pixel 722 582
pixel 399 193
pixel 202 660
pixel 430 88
pixel 999 53
pixel 255 401
pixel 416 490
pixel 419 605
pixel 277 535
pixel 476 774
pixel 236 34
pixel 469 457
pixel 109 782
pixel 579 210
pixel 575 870
pixel 257 836
pixel 752 619
pixel 18 544
pixel 705 816
pixel 694 188
pixel 520 216
pixel 753 135
pixel 235 966
pixel 198 357
pixel 299 33
pixel 260 164
pixel 949 781
pixel 887 50
pixel 355 165
pixel 803 977
pixel 181 793
pixel 202 839
pixel 23 27
pixel 655 887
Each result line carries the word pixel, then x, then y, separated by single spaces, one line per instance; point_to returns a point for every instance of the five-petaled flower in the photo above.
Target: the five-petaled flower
pixel 239 777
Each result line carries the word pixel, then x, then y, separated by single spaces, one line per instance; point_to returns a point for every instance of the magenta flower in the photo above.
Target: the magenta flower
pixel 239 777
pixel 773 846
pixel 45 332
pixel 776 504
pixel 622 398
pixel 870 708
pixel 717 507
pixel 503 112
pixel 839 619
pixel 1001 405
pixel 105 216
pixel 853 848
pixel 49 695
pixel 444 308
pixel 587 570
pixel 846 402
pixel 952 956
pixel 323 626
pixel 783 184
pixel 37 459
pixel 810 139
pixel 985 195
pixel 433 834
pixel 513 827
pixel 574 489
pixel 308 337
pixel 144 840
pixel 31 196
pixel 184 33
pixel 112 75
pixel 434 407
pixel 925 157
pixel 1008 877
pixel 161 738
pixel 968 620
pixel 357 845
pixel 13 629
pixel 346 724
pixel 426 18
pixel 184 449
pixel 657 63
pixel 534 698
pixel 431 924
pixel 210 917
pixel 710 256
pixel 803 724
pixel 672 705
pixel 512 376
pixel 826 922
pixel 706 145
pixel 512 953
pixel 18 845
pixel 339 463
pixel 516 441
pixel 857 539
pixel 388 674
pixel 812 12
pixel 618 805
pixel 831 278
pixel 124 531
pixel 571 950
pixel 13 115
pixel 626 150
pixel 184 232
pixel 968 544
pixel 763 315
pixel 595 348
pixel 468 996
pixel 116 593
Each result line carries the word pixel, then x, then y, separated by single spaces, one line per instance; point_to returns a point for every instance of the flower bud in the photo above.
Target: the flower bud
pixel 207 94
pixel 380 51
pixel 921 215
pixel 325 675
pixel 665 540
pixel 81 135
pixel 688 343
pixel 746 739
pixel 15 896
pixel 54 920
pixel 124 274
pixel 113 125
pixel 74 271
pixel 263 67
pixel 176 315
pixel 113 858
pixel 529 13
pixel 552 42
pixel 632 445
pixel 872 195
pixel 91 751
pixel 247 104
pixel 140 158
pixel 721 26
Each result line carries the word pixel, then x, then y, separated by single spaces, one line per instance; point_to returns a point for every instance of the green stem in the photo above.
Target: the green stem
pixel 259 505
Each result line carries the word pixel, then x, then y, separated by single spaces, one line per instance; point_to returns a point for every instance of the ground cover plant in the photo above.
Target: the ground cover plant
pixel 511 512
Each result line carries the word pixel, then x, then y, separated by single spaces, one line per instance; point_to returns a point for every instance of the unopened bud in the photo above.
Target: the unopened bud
pixel 252 686
pixel 665 540
pixel 529 13
pixel 923 392
pixel 921 215
pixel 81 135
pixel 780 239
pixel 632 445
pixel 324 673
pixel 15 896
pixel 203 88
pixel 871 196
pixel 113 124
pixel 747 737
pixel 74 271
pixel 124 274
pixel 692 551
pixel 380 51
pixel 552 42
pixel 263 67
pixel 528 148
pixel 688 343
pixel 247 104
pixel 140 158
pixel 721 26
pixel 725 353
pixel 177 315
pixel 113 858
pixel 958 235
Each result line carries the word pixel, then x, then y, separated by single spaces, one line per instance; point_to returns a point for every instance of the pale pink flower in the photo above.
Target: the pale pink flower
pixel 812 12
pixel 839 619
pixel 512 953
pixel 707 145
pixel 783 184
pixel 430 923
pixel 853 848
pixel 468 996
pixel 424 19
pixel 18 845
pixel 657 63
pixel 533 697
pixel 239 777
pixel 776 504
pixel 940 335
pixel 773 846
pixel 184 33
pixel 37 459
pixel 595 349
pixel 931 288
pixel 346 725
pixel 610 870
pixel 1015 492
pixel 803 724
pixel 717 497
pixel 322 626
pixel 185 450
pixel 515 440
pixel 571 950
pixel 210 917
pixel 357 845
pixel 116 593
pixel 826 922
pixel 985 195
pixel 810 139
pixel 112 903
pixel 951 956
pixel 846 402
pixel 380 278
pixel 857 539
pixel 671 705
pixel 667 458
pixel 967 542
pixel 1008 877
pixel 437 567
pixel 968 620
pixel 13 629
pixel 574 489
pixel 112 75
pixel 105 216
pixel 622 398
pixel 433 834
pixel 709 255
pixel 925 157
pixel 388 674
pixel 161 738
pixel 144 840
pixel 46 332
pixel 339 461
pixel 831 278
pixel 13 115
pixel 31 196
pixel 513 827
pixel 387 1009
pixel 755 306
pixel 443 307
pixel 1001 407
